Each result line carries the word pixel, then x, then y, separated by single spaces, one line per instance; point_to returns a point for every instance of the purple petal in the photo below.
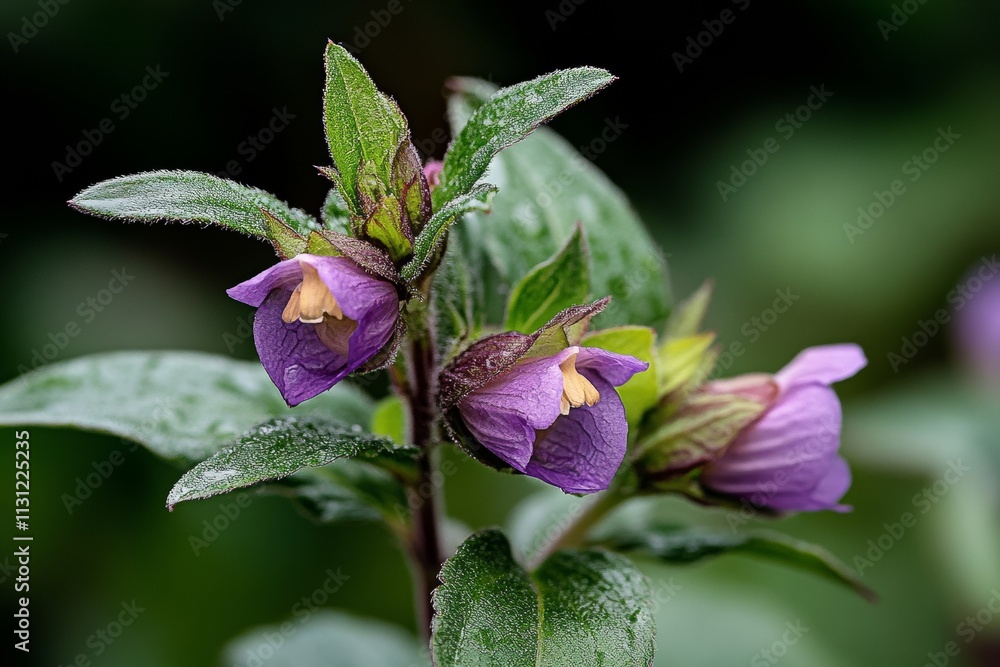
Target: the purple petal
pixel 297 361
pixel 504 414
pixel 293 355
pixel 785 456
pixel 824 364
pixel 253 292
pixel 616 369
pixel 583 450
pixel 977 324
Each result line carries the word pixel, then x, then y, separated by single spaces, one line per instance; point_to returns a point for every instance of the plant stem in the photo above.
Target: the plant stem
pixel 425 542
pixel 576 532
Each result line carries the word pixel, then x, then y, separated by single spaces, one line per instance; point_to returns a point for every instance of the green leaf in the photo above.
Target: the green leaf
pixel 506 118
pixel 686 320
pixel 457 298
pixel 690 545
pixel 639 394
pixel 327 638
pixel 336 215
pixel 552 286
pixel 183 406
pixel 282 446
pixel 546 187
pixel 190 196
pixel 583 607
pixel 433 234
pixel 347 490
pixel 386 225
pixel 390 419
pixel 364 128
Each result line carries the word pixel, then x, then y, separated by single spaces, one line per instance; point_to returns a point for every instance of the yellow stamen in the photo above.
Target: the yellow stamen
pixel 311 300
pixel 577 390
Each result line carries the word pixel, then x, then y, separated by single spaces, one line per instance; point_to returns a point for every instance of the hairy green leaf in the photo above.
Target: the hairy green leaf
pixel 546 187
pixel 282 446
pixel 190 196
pixel 554 285
pixel 581 607
pixel 433 234
pixel 364 128
pixel 346 490
pixel 506 118
pixel 182 406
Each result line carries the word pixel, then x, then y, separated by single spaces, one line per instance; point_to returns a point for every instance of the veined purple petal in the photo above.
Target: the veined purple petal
pixel 784 459
pixel 298 362
pixel 505 414
pixel 615 369
pixel 583 450
pixel 824 364
pixel 517 416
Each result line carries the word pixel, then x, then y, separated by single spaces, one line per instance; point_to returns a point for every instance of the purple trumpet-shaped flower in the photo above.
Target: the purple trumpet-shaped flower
pixel 557 418
pixel 788 459
pixel 318 319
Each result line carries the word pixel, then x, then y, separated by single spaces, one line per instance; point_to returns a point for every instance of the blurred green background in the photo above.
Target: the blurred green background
pixel 232 66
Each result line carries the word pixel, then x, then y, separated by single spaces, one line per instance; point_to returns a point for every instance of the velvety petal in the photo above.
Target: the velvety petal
pixel 824 364
pixel 295 358
pixel 787 452
pixel 297 361
pixel 253 292
pixel 615 369
pixel 369 301
pixel 504 414
pixel 582 451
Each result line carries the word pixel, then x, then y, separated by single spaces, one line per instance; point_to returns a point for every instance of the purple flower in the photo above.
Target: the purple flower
pixel 318 319
pixel 977 323
pixel 557 418
pixel 787 460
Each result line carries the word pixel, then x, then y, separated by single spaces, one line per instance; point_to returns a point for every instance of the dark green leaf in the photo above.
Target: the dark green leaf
pixel 433 233
pixel 689 545
pixel 347 490
pixel 336 215
pixel 181 405
pixel 189 196
pixel 506 118
pixel 327 638
pixel 364 128
pixel 279 447
pixel 588 608
pixel 457 298
pixel 546 187
pixel 552 286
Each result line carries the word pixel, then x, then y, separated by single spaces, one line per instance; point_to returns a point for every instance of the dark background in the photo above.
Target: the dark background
pixel 229 67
